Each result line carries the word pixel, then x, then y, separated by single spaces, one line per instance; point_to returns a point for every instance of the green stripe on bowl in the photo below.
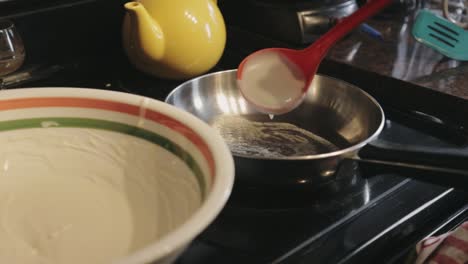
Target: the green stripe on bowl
pixel 115 127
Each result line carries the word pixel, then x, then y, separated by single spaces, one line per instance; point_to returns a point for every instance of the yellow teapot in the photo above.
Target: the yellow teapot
pixel 175 39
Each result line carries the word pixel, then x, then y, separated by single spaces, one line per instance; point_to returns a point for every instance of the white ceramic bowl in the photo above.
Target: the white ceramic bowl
pixel 187 168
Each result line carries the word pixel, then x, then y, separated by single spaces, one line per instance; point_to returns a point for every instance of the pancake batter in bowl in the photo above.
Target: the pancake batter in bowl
pixel 78 195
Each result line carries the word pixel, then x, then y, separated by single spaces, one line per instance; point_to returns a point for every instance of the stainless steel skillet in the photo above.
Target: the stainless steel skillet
pixel 336 121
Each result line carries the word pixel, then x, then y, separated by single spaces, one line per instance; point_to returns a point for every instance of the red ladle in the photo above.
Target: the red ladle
pixel 275 80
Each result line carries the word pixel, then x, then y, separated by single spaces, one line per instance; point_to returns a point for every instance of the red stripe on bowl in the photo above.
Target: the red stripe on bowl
pixel 116 107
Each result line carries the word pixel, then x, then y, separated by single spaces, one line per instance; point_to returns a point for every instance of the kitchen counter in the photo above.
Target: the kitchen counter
pixel 400 56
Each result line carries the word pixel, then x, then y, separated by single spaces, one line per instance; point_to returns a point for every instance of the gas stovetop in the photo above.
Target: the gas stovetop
pixel 353 218
pixel 296 21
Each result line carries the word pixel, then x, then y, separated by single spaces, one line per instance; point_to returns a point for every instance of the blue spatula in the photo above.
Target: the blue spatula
pixel 442 35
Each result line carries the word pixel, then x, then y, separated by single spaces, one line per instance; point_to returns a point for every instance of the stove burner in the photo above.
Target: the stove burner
pixel 298 22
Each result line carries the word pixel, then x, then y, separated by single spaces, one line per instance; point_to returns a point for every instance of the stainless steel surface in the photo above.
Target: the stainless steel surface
pixel 334 118
pixel 314 22
pixel 299 21
pixel 455 12
pixel 306 146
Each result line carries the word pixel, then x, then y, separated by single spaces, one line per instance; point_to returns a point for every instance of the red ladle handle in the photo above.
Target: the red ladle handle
pixel 344 26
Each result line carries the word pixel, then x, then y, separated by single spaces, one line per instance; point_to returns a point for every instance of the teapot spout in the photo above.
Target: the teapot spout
pixel 146 35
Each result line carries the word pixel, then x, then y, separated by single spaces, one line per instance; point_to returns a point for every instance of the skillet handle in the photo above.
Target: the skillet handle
pixel 455 158
pixel 433 166
pixel 442 129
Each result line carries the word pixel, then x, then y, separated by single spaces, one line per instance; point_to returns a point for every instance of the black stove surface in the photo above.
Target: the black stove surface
pixel 352 218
